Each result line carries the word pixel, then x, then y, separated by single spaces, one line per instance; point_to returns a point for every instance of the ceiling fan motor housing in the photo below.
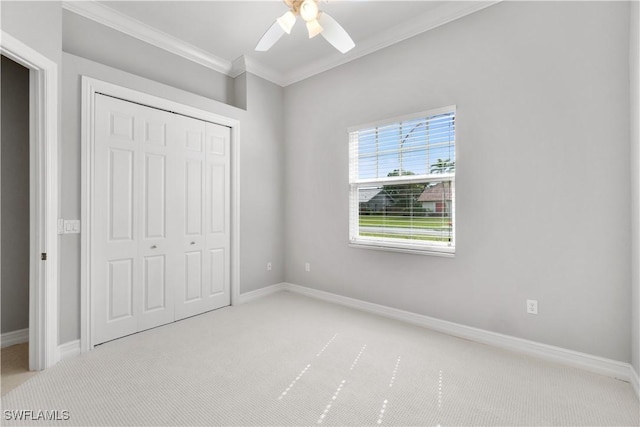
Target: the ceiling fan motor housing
pixel 307 9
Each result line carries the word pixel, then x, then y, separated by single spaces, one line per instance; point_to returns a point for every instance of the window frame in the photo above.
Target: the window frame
pixel 421 247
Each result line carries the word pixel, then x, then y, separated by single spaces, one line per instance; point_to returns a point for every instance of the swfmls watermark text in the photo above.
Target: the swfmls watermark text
pixel 36 415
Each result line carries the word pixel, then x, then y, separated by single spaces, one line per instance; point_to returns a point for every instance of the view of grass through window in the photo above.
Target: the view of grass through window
pixel 410 211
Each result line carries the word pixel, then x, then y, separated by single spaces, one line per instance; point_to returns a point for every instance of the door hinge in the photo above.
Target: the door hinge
pixel 43 256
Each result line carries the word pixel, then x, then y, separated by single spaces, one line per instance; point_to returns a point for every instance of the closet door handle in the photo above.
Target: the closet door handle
pixel 153 246
pixel 193 243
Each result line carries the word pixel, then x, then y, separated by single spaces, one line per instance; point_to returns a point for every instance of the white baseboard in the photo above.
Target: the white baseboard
pixel 68 350
pixel 262 292
pixel 15 337
pixel 600 365
pixel 635 382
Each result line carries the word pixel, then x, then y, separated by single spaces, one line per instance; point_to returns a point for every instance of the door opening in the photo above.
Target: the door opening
pixel 15 218
pixel 41 240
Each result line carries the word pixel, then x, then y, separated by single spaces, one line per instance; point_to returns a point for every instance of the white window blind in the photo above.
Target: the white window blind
pixel 402 183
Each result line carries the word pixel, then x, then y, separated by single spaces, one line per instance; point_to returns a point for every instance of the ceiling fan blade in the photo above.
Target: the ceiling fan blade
pixel 270 37
pixel 335 34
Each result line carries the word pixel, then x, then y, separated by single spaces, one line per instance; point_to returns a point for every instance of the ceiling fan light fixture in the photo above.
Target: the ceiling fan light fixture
pixel 286 21
pixel 317 23
pixel 309 10
pixel 314 28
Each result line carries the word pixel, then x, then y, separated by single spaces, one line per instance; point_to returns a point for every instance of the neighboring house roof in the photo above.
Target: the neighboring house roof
pixel 435 193
pixel 367 194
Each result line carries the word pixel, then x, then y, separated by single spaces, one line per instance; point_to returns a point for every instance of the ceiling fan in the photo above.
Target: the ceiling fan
pixel 317 23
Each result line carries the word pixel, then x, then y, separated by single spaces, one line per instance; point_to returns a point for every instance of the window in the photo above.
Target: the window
pixel 402 183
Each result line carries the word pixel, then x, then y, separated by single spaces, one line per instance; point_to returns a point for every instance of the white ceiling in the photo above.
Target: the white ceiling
pixel 223 34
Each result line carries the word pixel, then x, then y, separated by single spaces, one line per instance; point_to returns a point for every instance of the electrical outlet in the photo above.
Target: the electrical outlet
pixel 269 266
pixel 307 267
pixel 532 306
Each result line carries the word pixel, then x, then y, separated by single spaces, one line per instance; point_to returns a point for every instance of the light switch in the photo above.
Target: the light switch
pixel 71 226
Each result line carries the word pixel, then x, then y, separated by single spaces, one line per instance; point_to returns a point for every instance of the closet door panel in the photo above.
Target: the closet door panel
pixel 131 260
pixel 115 266
pixel 206 170
pixel 156 248
pixel 193 191
pixel 188 136
pixel 155 206
pixel 218 214
pixel 155 283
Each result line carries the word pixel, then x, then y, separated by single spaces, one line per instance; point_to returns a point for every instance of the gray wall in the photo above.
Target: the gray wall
pixel 38 24
pixel 261 191
pixel 261 213
pixel 91 40
pixel 634 73
pixel 15 195
pixel 543 211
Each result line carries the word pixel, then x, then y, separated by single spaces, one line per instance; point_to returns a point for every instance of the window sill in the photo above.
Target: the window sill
pixel 444 252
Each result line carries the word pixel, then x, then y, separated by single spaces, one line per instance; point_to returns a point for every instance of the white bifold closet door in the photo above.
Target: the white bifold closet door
pixel 160 224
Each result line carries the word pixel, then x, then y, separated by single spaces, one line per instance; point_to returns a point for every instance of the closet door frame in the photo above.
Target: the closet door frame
pixel 91 87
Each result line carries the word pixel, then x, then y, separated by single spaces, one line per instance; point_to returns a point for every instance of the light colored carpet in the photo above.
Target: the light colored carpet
pixel 289 360
pixel 14 367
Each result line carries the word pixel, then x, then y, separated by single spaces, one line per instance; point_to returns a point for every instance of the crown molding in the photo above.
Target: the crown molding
pixel 238 66
pixel 261 70
pixel 447 12
pixel 120 22
pixel 248 64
